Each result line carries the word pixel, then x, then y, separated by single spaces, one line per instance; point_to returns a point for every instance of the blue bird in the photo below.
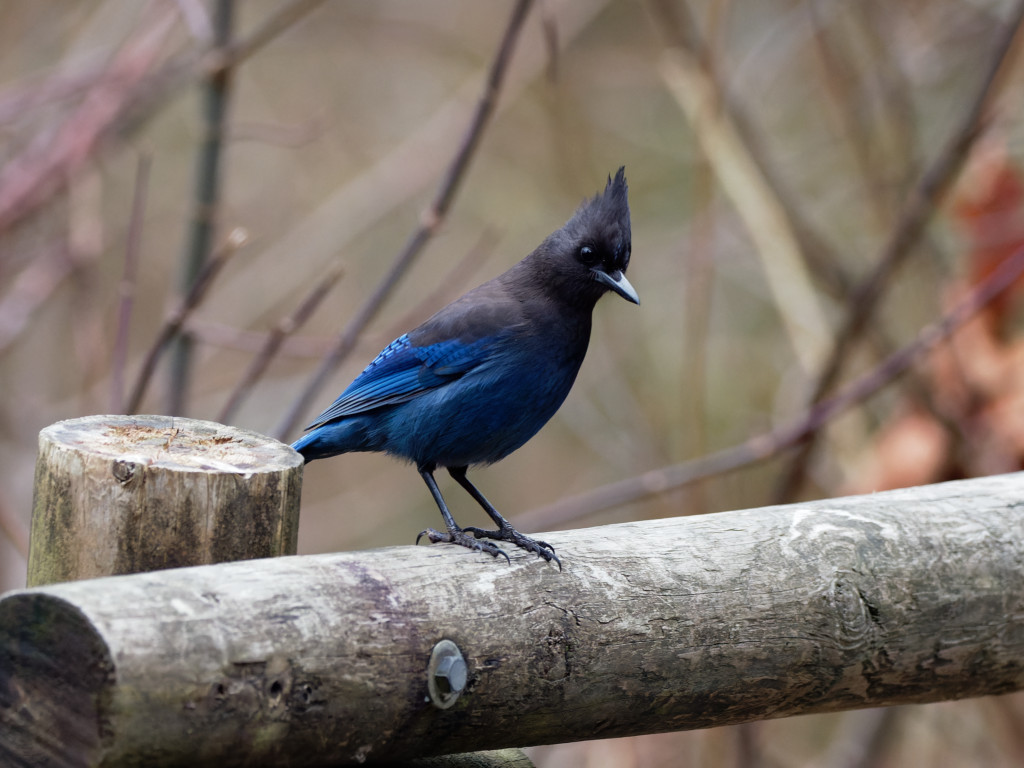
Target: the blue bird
pixel 483 375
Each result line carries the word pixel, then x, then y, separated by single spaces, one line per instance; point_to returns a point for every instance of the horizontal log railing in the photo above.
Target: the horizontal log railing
pixel 892 598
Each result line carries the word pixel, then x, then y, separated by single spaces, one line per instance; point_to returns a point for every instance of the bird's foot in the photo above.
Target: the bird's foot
pixel 512 536
pixel 463 539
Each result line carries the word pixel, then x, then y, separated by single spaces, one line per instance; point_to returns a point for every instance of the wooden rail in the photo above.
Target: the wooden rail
pixel 893 598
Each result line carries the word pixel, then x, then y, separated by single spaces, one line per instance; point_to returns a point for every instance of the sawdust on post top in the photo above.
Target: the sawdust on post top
pixel 188 444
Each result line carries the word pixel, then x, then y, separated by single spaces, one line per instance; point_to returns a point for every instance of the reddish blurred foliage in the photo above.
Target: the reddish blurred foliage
pixel 989 208
pixel 973 421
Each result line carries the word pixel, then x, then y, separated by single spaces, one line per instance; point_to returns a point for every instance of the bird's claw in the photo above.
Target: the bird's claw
pixel 460 537
pixel 512 536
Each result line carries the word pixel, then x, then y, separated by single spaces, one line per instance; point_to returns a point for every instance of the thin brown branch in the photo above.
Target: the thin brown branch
pixel 126 289
pixel 176 319
pixel 765 446
pixel 274 341
pixel 279 21
pixel 922 202
pixel 430 222
pixel 847 106
pixel 226 336
pixel 31 289
pixel 549 26
pixel 278 134
pixel 448 286
pixel 698 256
pixel 216 92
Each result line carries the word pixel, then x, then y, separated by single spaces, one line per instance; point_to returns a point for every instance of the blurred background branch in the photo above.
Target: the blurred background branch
pixel 178 316
pixel 126 291
pixel 274 340
pixel 216 88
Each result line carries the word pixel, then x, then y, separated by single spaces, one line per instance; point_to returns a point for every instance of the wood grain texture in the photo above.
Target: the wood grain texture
pixel 124 494
pixel 893 598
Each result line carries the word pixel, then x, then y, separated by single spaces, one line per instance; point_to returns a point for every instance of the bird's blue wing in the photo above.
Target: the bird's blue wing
pixel 403 371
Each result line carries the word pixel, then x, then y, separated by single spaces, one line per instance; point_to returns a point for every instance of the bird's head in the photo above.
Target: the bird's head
pixel 591 252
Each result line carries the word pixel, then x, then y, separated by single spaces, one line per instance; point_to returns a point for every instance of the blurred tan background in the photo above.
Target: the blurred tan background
pixel 820 119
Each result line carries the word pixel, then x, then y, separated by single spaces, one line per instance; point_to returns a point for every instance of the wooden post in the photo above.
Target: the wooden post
pixel 894 598
pixel 125 494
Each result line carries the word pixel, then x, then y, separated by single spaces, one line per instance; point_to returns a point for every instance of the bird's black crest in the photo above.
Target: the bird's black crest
pixel 617 187
pixel 604 219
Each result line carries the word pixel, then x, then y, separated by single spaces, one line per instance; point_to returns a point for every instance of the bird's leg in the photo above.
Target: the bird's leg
pixel 454 535
pixel 505 530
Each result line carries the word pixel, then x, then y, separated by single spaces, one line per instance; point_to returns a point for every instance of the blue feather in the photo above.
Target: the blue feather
pixel 403 371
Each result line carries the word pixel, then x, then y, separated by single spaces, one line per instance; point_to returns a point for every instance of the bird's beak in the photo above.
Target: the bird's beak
pixel 618 283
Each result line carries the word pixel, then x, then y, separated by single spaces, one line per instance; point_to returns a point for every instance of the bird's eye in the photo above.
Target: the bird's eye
pixel 589 256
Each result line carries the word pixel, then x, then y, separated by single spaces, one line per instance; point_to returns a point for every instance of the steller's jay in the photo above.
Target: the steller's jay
pixel 483 375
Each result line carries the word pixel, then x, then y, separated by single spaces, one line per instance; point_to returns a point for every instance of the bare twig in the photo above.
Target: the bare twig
pixel 86 243
pixel 768 445
pixel 30 289
pixel 846 104
pixel 126 290
pixel 430 222
pixel 283 18
pixel 180 314
pixel 275 339
pixel 216 334
pixel 910 224
pixel 700 269
pixel 216 91
pixel 449 285
pixel 549 25
pixel 278 134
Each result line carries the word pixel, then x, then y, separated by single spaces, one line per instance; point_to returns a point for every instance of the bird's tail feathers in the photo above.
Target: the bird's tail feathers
pixel 331 439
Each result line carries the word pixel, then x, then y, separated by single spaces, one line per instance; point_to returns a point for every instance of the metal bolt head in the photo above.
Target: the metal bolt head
pixel 451 671
pixel 447 674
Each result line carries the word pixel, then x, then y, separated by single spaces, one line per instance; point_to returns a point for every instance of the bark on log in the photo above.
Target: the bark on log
pixel 893 598
pixel 124 494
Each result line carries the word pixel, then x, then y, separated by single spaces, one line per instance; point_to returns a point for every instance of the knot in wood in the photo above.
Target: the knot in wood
pixel 854 614
pixel 124 471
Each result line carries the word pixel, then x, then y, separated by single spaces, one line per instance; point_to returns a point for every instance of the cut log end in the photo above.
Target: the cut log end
pixel 51 700
pixel 124 494
pixel 173 443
